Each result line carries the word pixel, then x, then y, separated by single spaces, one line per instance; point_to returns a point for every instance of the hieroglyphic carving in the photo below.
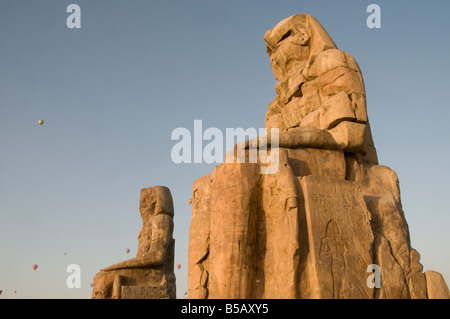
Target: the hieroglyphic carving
pixel 340 238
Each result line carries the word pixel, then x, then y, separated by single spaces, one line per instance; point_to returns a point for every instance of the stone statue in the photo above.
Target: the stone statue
pixel 320 89
pixel 150 275
pixel 311 229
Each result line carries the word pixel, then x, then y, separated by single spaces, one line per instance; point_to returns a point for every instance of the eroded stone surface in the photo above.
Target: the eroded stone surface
pixel 340 238
pixel 436 286
pixel 150 275
pixel 312 228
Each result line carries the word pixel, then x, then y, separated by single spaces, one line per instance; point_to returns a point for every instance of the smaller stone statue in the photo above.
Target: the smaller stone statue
pixel 150 275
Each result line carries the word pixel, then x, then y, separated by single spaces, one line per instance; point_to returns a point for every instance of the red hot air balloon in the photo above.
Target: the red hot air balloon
pixel 35 267
pixel 178 266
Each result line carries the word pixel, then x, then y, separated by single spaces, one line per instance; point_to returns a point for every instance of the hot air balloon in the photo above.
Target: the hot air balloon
pixel 35 267
pixel 127 250
pixel 178 266
pixel 189 201
pixel 15 291
pixel 41 122
pixel 1 292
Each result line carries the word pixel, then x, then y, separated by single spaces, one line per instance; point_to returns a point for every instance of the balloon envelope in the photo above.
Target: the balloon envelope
pixel 41 122
pixel 189 201
pixel 127 250
pixel 35 267
pixel 178 266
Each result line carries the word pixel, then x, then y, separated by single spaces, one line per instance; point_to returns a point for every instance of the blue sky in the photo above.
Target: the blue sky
pixel 112 92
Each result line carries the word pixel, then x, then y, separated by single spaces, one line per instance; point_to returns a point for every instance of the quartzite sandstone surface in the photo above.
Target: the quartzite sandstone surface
pixel 150 275
pixel 312 228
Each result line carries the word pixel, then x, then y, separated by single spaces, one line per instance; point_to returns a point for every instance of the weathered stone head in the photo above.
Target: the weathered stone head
pixel 155 200
pixel 293 41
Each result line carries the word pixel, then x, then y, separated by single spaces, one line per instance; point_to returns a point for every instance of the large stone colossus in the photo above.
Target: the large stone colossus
pixel 313 228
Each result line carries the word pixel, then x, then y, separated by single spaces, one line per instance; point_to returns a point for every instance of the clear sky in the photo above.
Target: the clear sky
pixel 112 92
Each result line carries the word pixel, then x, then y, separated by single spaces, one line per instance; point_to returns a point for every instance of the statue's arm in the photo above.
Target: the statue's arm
pixel 130 263
pixel 307 136
pixel 162 229
pixel 348 136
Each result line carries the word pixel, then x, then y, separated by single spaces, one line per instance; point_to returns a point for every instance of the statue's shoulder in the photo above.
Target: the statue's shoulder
pixel 331 59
